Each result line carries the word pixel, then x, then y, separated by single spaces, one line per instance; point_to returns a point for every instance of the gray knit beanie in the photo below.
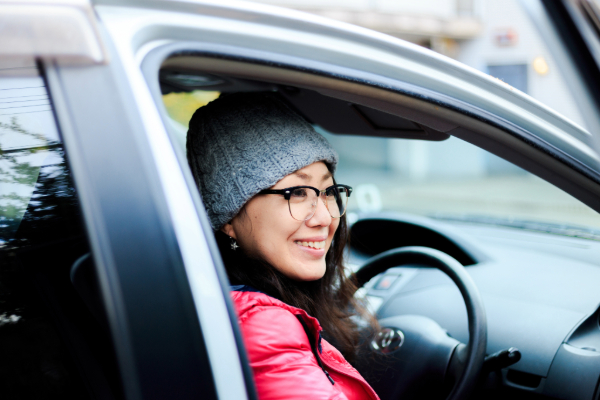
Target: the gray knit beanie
pixel 243 143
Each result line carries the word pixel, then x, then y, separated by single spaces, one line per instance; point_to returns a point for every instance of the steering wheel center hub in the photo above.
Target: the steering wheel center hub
pixel 388 340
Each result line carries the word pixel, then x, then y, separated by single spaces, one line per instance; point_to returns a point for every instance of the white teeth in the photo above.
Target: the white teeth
pixel 314 245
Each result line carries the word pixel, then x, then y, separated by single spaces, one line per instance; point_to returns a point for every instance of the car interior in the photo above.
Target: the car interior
pixel 521 273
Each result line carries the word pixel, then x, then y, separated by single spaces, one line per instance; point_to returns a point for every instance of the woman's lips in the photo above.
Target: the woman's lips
pixel 314 247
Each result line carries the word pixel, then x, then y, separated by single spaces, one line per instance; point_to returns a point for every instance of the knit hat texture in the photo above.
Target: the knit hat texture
pixel 243 143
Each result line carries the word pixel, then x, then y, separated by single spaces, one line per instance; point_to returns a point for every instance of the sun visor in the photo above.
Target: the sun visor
pixel 335 115
pixel 343 117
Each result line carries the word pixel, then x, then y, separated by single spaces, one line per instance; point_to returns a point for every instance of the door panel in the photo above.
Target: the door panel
pixel 143 283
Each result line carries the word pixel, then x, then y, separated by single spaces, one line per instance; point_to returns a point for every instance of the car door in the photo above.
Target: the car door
pixel 130 271
pixel 156 268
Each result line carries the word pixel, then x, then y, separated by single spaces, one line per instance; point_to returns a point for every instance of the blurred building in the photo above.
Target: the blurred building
pixel 493 36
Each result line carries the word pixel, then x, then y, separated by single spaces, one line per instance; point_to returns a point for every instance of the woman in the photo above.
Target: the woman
pixel 266 179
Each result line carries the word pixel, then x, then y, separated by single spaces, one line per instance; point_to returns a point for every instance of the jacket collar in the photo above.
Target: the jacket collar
pixel 246 298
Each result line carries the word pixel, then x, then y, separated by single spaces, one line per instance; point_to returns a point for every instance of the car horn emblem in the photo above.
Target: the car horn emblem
pixel 388 340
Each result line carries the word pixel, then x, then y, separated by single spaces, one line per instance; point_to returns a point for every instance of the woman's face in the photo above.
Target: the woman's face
pixel 265 229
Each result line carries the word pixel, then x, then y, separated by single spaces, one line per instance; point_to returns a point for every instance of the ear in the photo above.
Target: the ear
pixel 228 230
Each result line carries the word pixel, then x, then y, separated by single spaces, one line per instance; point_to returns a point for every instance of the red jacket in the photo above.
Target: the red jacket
pixel 282 357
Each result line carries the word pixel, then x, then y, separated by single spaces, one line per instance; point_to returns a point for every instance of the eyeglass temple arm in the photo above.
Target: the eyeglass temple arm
pixel 348 188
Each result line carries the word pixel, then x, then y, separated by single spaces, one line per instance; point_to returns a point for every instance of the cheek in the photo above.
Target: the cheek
pixel 266 227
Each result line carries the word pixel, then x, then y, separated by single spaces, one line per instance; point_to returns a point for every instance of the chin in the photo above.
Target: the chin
pixel 313 273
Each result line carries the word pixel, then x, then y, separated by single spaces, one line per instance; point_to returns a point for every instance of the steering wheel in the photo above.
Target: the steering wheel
pixel 413 356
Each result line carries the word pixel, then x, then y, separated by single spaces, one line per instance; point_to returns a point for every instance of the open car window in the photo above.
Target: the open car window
pixel 449 180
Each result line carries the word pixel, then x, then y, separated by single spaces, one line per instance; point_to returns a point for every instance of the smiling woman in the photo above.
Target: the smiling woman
pixel 266 177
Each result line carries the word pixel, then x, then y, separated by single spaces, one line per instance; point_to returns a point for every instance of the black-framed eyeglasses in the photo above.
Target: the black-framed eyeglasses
pixel 302 200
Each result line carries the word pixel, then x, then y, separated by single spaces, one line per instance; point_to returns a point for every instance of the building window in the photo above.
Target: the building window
pixel 515 75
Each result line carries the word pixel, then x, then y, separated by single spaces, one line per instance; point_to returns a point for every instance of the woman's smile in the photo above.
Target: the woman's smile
pixel 315 247
pixel 312 244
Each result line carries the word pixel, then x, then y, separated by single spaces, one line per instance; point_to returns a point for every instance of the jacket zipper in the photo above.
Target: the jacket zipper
pixel 342 372
pixel 314 348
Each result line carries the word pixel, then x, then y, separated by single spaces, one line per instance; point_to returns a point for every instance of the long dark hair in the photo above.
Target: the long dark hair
pixel 329 299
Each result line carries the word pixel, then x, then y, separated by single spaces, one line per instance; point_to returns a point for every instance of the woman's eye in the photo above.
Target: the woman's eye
pixel 299 193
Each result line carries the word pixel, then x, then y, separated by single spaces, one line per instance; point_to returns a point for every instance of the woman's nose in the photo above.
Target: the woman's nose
pixel 322 217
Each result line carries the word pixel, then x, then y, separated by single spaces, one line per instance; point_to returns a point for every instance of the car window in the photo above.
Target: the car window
pixel 456 181
pixel 51 344
pixel 29 141
pixel 451 180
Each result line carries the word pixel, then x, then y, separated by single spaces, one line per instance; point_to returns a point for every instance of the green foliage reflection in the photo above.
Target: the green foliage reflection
pixel 53 193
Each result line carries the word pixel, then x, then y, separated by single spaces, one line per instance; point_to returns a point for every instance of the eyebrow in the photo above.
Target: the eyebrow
pixel 307 177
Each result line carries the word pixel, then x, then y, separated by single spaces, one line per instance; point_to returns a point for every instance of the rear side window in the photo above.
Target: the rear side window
pixel 51 343
pixel 29 146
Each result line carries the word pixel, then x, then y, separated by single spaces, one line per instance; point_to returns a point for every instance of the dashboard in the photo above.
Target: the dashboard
pixel 540 293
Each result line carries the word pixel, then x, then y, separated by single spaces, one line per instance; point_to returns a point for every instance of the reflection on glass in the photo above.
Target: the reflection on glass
pixel 38 213
pixel 34 180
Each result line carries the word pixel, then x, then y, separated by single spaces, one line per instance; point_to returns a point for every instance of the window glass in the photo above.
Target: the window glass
pixel 513 74
pixel 50 343
pixel 454 180
pixel 28 141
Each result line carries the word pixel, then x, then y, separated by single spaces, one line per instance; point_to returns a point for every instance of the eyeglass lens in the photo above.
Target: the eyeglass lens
pixel 303 202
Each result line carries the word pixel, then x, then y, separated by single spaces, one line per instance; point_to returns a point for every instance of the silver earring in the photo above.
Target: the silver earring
pixel 234 245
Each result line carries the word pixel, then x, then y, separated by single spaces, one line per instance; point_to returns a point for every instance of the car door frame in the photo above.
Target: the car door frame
pixel 155 301
pixel 575 46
